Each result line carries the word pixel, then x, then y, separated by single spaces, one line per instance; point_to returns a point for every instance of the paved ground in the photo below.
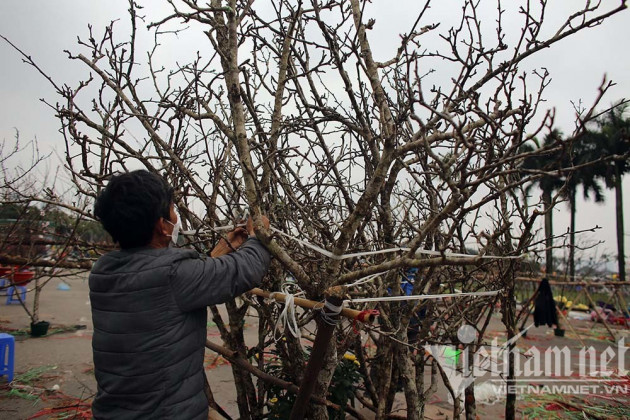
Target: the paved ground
pixel 62 361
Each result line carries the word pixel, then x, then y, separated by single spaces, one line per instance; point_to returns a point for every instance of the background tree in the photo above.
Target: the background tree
pixel 578 161
pixel 547 163
pixel 614 127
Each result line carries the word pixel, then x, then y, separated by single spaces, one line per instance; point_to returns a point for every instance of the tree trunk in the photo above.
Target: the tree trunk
pixel 320 368
pixel 546 197
pixel 245 389
pixel 572 236
pixel 320 411
pixel 621 255
pixel 382 376
pixel 509 316
pixel 470 404
pixel 35 314
pixel 419 361
pixel 509 320
pixel 408 376
pixel 424 391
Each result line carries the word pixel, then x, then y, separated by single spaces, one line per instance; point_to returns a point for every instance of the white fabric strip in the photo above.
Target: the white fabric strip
pixel 287 316
pixel 366 279
pixel 421 297
pixel 330 255
pixel 214 229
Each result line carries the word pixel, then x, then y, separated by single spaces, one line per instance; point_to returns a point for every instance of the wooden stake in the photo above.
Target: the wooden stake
pixel 566 321
pixel 622 301
pixel 599 315
pixel 361 316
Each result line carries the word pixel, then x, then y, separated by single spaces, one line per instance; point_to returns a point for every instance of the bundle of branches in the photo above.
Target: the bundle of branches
pixel 351 136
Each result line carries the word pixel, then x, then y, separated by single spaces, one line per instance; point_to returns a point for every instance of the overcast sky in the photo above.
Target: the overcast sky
pixel 44 29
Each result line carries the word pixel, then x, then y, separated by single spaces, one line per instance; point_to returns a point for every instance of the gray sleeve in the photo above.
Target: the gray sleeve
pixel 203 281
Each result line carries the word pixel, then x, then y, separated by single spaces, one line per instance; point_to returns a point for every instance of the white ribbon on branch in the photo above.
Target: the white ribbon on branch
pixel 287 316
pixel 330 255
pixel 421 297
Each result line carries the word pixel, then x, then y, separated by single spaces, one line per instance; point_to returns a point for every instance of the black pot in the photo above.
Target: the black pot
pixel 558 332
pixel 40 328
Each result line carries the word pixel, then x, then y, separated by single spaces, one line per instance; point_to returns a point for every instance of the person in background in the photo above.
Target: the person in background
pixel 149 302
pixel 407 283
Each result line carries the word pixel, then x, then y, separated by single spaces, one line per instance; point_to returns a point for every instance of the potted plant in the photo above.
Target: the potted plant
pixel 21 278
pixel 38 328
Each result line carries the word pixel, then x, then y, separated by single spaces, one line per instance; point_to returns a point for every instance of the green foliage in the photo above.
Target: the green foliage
pixel 58 223
pixel 530 266
pixel 10 211
pixel 280 401
pixel 614 140
pixel 548 159
pixel 556 406
pixel 28 378
pixel 343 385
pixel 21 394
pixel 341 390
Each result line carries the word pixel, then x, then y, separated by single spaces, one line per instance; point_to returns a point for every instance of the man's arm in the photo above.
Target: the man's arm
pixel 199 282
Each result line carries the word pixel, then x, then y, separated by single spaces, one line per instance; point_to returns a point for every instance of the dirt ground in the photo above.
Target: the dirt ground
pixel 54 377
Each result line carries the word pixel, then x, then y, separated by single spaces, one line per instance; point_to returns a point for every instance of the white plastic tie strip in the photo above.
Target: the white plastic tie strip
pixel 213 229
pixel 330 255
pixel 288 316
pixel 421 297
pixel 329 313
pixel 367 279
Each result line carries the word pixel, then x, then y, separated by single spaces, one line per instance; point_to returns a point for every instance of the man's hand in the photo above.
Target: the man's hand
pixel 250 225
pixel 231 242
pixel 236 238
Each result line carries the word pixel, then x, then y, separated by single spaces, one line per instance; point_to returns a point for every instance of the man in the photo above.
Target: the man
pixel 149 303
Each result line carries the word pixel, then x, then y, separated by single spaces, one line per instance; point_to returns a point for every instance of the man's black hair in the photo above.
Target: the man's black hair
pixel 131 204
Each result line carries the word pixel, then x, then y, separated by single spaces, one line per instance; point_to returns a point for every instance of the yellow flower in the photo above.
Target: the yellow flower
pixel 273 401
pixel 356 362
pixel 349 356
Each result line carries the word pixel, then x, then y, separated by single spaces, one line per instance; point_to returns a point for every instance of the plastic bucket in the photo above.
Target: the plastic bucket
pixel 40 328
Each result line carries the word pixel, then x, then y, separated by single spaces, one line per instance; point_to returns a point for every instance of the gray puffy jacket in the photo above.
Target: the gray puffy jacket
pixel 149 315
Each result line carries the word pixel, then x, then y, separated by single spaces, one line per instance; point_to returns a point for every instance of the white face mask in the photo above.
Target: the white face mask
pixel 176 227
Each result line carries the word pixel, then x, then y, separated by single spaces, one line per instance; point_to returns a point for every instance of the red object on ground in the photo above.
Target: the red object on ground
pixel 22 277
pixel 66 407
pixel 617 320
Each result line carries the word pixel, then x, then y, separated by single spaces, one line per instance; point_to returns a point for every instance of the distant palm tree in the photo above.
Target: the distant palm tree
pixel 547 184
pixel 615 141
pixel 575 163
